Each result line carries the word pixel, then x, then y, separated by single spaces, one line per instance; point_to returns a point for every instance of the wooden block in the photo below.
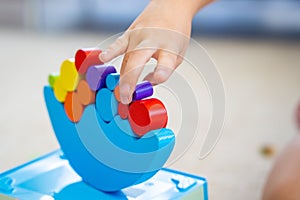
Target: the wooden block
pixel 97 74
pixel 142 90
pixel 123 110
pixel 146 115
pixel 106 104
pixel 73 107
pixel 112 80
pixel 51 79
pixel 117 93
pixel 84 58
pixel 69 75
pixel 59 92
pixel 85 94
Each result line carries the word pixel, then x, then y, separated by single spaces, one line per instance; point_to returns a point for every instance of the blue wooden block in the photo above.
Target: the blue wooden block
pixel 112 80
pixel 106 155
pixel 106 104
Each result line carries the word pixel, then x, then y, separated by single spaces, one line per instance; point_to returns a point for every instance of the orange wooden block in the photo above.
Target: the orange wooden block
pixel 123 110
pixel 84 58
pixel 117 93
pixel 85 94
pixel 73 107
pixel 146 115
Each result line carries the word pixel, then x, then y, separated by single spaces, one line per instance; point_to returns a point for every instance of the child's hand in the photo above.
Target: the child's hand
pixel 162 31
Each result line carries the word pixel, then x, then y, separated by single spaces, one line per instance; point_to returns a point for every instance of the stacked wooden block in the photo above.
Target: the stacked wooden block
pixel 85 80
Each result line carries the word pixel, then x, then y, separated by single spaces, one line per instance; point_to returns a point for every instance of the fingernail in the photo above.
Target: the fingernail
pixel 159 76
pixel 103 55
pixel 125 100
pixel 125 93
pixel 162 73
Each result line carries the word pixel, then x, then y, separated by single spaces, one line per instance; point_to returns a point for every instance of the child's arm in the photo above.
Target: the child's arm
pixel 162 32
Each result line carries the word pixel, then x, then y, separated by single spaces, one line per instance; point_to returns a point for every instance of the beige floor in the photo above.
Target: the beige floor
pixel 262 80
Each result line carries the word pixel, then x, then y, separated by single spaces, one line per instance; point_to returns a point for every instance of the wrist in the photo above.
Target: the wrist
pixel 188 8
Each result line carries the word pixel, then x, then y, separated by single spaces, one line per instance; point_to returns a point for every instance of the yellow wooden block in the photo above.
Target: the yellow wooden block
pixel 59 91
pixel 69 75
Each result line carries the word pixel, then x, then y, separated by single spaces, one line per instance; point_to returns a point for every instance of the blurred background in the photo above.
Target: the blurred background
pixel 254 43
pixel 224 17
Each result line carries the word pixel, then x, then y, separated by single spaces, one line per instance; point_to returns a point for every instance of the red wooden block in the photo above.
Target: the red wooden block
pixel 146 115
pixel 123 110
pixel 84 58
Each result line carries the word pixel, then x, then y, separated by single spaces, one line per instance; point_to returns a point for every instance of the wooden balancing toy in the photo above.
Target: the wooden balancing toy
pixel 109 144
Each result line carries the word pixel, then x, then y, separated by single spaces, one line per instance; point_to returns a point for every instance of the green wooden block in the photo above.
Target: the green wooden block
pixel 52 78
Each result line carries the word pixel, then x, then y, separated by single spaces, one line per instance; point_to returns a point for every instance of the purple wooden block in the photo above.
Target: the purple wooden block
pixel 96 75
pixel 142 90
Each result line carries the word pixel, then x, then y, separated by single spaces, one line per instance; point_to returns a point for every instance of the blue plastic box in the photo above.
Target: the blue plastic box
pixel 51 177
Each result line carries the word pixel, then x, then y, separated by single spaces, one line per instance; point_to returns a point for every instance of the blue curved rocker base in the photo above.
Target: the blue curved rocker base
pixel 105 155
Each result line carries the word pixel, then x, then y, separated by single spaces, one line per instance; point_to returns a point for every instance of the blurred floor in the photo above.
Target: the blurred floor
pixel 262 80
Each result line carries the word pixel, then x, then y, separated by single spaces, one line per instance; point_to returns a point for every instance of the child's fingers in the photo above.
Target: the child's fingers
pixel 115 49
pixel 132 67
pixel 166 64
